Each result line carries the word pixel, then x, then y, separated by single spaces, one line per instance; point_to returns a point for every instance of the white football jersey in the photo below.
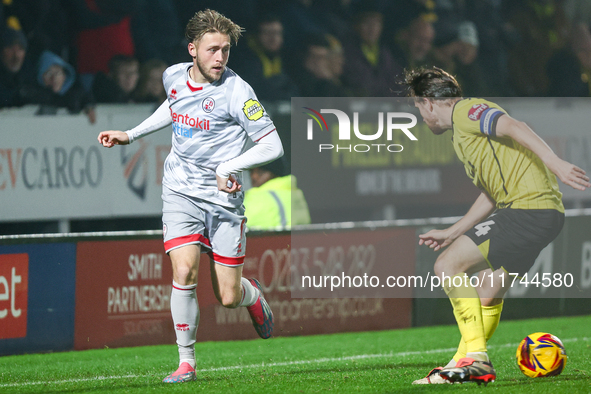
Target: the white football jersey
pixel 211 124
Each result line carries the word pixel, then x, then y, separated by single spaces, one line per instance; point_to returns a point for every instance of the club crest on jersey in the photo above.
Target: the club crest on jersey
pixel 173 94
pixel 208 105
pixel 476 111
pixel 253 110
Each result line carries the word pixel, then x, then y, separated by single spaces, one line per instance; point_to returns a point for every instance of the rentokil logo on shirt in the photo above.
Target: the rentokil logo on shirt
pixel 183 125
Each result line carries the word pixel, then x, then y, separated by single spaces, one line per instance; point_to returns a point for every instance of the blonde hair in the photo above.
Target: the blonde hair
pixel 210 21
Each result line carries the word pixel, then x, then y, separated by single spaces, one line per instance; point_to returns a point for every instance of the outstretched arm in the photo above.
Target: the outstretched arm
pixel 159 119
pixel 568 173
pixel 437 239
pixel 266 150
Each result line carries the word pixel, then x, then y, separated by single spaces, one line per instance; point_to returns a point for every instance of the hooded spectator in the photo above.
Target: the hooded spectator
pixel 59 87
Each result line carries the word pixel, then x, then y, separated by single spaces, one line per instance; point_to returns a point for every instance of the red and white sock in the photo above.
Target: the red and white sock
pixel 185 316
pixel 250 294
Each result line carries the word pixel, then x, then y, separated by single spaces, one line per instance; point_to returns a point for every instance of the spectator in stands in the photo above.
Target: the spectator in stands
pixel 157 33
pixel 495 36
pixel 398 14
pixel 413 44
pixel 243 12
pixel 58 87
pixel 315 75
pixel 456 51
pixel 9 14
pixel 336 63
pixel 302 18
pixel 274 200
pixel 14 49
pixel 542 29
pixel 16 68
pixel 370 69
pixel 149 87
pixel 102 30
pixel 578 12
pixel 44 22
pixel 118 85
pixel 261 62
pixel 569 70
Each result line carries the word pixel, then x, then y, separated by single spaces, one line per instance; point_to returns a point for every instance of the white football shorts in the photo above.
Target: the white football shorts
pixel 219 230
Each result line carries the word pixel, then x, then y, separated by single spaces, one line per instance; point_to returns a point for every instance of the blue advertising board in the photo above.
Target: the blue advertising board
pixel 37 292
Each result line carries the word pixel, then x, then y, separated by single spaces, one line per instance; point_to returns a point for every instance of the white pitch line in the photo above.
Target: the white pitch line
pixel 278 364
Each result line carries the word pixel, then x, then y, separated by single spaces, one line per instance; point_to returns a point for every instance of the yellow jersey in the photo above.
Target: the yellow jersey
pixel 513 176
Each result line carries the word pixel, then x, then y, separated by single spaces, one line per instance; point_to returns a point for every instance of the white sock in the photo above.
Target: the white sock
pixel 452 363
pixel 250 294
pixel 185 316
pixel 478 356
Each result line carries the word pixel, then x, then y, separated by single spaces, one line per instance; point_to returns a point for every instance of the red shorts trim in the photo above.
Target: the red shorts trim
pixel 229 261
pixel 185 240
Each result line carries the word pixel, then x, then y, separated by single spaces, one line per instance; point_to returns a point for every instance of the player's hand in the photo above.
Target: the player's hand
pixel 228 185
pixel 113 137
pixel 571 175
pixel 436 239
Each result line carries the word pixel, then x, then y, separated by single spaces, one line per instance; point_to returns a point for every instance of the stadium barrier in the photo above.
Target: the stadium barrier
pixel 91 290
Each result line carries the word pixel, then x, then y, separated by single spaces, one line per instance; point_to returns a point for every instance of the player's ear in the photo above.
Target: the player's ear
pixel 192 49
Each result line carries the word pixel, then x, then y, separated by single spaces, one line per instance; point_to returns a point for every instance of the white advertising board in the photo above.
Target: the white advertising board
pixel 52 167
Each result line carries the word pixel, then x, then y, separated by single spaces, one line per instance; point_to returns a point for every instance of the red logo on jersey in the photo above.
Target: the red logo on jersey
pixel 476 111
pixel 173 94
pixel 200 124
pixel 241 235
pixel 208 104
pixel 182 327
pixel 14 290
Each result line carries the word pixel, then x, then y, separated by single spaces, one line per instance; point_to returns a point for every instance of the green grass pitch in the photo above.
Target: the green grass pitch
pixel 368 362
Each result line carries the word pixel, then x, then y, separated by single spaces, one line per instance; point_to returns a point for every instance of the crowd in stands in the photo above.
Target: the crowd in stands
pixel 75 53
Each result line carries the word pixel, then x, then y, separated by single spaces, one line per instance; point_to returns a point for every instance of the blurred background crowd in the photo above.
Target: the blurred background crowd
pixel 75 53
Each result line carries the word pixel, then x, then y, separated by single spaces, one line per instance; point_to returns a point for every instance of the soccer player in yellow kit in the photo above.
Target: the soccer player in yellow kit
pixel 515 171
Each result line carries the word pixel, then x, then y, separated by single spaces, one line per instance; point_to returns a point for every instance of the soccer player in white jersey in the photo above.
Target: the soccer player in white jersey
pixel 213 112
